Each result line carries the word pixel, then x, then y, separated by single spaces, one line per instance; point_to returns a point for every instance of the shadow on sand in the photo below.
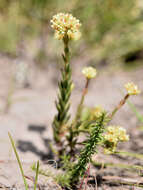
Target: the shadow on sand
pixel 25 146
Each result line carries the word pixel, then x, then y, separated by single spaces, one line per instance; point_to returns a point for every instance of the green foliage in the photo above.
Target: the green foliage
pixel 66 162
pixel 112 34
pixel 131 154
pixel 85 114
pixel 108 25
pixel 9 35
pixel 134 168
pixel 61 178
pixel 36 177
pixel 91 121
pixel 21 168
pixel 63 105
pixel 18 160
pixel 90 147
pixel 41 171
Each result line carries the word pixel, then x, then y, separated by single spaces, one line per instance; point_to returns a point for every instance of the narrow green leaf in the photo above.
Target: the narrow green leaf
pixel 36 177
pixel 18 160
pixel 133 108
pixel 130 154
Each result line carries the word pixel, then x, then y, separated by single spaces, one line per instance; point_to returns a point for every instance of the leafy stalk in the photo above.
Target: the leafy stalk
pixel 65 88
pixel 89 149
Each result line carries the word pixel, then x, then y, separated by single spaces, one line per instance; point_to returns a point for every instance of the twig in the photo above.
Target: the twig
pixel 118 165
pixel 124 181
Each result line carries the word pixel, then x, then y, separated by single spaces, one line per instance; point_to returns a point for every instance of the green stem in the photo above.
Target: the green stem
pixel 131 154
pixel 118 165
pixel 36 177
pixel 18 160
pixel 63 105
pixel 73 129
pixel 133 108
pixel 121 103
pixel 79 109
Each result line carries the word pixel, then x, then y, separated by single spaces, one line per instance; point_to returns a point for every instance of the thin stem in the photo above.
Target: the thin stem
pixel 137 113
pixel 131 154
pixel 79 109
pixel 66 55
pixel 117 165
pixel 121 103
pixel 72 138
pixel 18 160
pixel 36 177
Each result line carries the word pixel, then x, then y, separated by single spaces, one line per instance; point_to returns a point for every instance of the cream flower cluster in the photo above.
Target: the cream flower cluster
pixel 89 72
pixel 97 112
pixel 114 135
pixel 66 25
pixel 132 89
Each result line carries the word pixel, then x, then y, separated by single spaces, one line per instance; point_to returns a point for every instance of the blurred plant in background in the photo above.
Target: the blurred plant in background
pixel 112 29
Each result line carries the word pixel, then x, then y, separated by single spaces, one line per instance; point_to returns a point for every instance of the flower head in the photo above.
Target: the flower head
pixel 114 134
pixel 117 132
pixel 132 89
pixel 66 25
pixel 89 72
pixel 97 111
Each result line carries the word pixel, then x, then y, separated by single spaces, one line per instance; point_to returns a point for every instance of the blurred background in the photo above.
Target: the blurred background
pixel 30 58
pixel 30 62
pixel 111 30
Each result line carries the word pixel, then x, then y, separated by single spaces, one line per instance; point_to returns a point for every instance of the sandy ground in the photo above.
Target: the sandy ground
pixel 32 109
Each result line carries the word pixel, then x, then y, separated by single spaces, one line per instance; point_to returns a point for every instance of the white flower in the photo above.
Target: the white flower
pixel 89 72
pixel 66 25
pixel 132 89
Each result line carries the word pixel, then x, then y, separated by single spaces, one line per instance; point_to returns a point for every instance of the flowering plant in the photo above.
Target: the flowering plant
pixel 93 123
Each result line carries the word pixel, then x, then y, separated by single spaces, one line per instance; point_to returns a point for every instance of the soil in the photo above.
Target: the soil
pixel 27 111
